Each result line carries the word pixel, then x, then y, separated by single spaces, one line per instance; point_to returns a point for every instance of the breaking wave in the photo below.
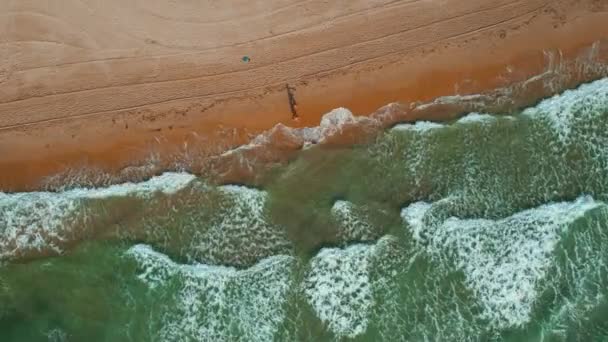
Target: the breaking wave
pixel 488 227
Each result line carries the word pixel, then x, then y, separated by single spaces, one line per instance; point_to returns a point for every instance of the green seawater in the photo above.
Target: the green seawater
pixel 488 228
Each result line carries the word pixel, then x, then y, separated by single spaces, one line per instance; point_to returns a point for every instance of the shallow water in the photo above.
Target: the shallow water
pixel 489 228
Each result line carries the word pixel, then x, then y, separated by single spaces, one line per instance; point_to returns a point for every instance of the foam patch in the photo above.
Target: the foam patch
pixel 238 232
pixel 217 303
pixel 339 289
pixel 353 224
pixel 418 126
pixel 472 118
pixel 503 260
pixel 564 110
pixel 35 221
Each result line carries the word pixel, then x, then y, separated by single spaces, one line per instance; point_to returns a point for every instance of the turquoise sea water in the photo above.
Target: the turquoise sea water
pixel 489 228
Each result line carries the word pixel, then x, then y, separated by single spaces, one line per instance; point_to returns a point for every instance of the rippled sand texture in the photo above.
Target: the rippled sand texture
pixel 132 88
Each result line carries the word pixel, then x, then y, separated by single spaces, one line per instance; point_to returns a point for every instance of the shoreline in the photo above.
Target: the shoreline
pixel 535 54
pixel 76 208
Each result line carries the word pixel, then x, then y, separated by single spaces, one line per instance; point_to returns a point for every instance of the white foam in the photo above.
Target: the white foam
pixel 238 230
pixel 562 110
pixel 580 277
pixel 265 139
pixel 56 335
pixel 336 118
pixel 331 123
pixel 503 260
pixel 33 221
pixel 353 225
pixel 414 215
pixel 339 289
pixel 168 183
pixel 476 118
pixel 217 303
pixel 429 126
pixel 418 126
pixel 474 99
pixel 565 109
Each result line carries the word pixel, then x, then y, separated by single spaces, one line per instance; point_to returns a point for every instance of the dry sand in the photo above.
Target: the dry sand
pixel 111 84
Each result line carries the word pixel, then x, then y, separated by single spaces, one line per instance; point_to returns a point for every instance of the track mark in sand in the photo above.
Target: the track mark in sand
pixel 224 20
pixel 81 35
pixel 37 41
pixel 240 91
pixel 393 4
pixel 316 53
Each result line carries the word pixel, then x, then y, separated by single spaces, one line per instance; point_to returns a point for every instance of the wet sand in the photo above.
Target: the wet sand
pixel 152 87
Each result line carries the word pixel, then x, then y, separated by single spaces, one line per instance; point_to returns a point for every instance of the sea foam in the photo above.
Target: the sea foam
pixel 36 221
pixel 238 231
pixel 564 110
pixel 418 126
pixel 217 303
pixel 503 260
pixel 353 225
pixel 339 288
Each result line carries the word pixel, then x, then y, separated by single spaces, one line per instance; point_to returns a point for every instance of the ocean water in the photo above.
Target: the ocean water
pixel 488 228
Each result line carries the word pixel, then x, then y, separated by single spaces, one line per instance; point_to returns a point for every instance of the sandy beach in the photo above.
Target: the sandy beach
pixel 108 86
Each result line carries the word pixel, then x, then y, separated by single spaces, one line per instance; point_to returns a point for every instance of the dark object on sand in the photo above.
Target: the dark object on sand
pixel 293 106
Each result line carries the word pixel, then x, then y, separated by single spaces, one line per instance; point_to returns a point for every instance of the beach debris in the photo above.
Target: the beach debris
pixel 293 106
